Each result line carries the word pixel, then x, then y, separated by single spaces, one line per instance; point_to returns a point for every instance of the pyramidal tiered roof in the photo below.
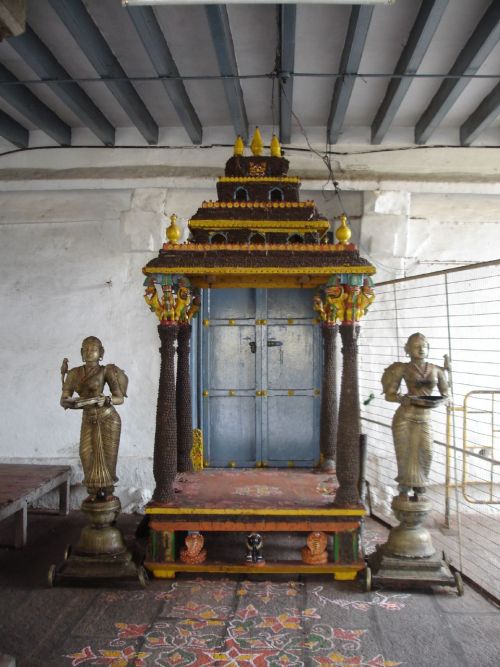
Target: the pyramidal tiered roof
pixel 258 233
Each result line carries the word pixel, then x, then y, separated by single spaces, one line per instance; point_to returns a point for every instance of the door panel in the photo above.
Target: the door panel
pixel 232 428
pixel 290 303
pixel 290 364
pixel 232 361
pixel 291 429
pixel 260 360
pixel 232 303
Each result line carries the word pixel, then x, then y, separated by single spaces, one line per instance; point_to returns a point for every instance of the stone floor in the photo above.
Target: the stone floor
pixel 231 621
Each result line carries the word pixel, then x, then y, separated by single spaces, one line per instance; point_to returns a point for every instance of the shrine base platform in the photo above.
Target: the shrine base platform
pixel 254 501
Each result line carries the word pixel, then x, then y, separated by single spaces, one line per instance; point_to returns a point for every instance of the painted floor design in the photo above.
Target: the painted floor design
pixel 199 625
pixel 257 621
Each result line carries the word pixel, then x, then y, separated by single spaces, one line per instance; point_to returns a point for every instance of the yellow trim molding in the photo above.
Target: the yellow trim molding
pixel 254 179
pixel 333 511
pixel 258 225
pixel 256 270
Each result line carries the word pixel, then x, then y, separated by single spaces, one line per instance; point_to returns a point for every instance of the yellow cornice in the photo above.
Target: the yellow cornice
pixel 258 225
pixel 318 248
pixel 256 270
pixel 255 179
pixel 308 203
pixel 256 512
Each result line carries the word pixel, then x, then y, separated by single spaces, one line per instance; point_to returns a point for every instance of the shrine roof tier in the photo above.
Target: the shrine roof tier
pixel 259 265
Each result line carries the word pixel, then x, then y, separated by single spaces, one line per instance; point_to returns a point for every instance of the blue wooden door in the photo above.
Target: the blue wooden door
pixel 260 378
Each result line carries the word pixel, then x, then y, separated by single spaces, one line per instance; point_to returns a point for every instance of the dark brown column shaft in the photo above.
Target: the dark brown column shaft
pixel 349 415
pixel 165 452
pixel 183 401
pixel 329 411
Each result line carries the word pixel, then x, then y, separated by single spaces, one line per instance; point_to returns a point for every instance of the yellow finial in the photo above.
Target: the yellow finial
pixel 173 232
pixel 343 233
pixel 257 146
pixel 239 146
pixel 275 147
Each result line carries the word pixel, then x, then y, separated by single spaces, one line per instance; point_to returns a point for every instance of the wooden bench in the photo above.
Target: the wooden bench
pixel 22 484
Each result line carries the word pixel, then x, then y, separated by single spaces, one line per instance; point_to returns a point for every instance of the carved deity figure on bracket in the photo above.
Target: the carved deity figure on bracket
pixel 174 305
pixel 101 424
pixel 411 425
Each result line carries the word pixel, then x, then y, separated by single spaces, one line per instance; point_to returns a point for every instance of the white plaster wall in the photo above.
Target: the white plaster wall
pixel 70 266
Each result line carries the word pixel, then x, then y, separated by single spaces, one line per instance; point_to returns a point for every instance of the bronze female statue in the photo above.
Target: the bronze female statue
pixel 411 425
pixel 101 424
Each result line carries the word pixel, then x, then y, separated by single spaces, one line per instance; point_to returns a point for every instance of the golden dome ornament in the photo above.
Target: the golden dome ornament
pixel 343 233
pixel 239 146
pixel 257 144
pixel 173 231
pixel 275 147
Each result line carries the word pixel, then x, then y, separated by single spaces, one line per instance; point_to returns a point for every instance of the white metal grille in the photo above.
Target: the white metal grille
pixel 459 313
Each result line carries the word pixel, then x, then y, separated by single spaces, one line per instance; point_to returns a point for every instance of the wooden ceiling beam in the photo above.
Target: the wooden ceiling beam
pixel 13 131
pixel 23 100
pixel 218 22
pixel 478 47
pixel 159 53
pixel 287 23
pixel 87 35
pixel 481 118
pixel 357 31
pixel 428 18
pixel 41 60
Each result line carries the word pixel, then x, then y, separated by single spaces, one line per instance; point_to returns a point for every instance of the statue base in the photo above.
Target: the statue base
pixel 100 557
pixel 408 558
pixel 400 572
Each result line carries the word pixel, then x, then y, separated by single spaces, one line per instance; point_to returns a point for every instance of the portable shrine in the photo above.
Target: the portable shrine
pixel 276 450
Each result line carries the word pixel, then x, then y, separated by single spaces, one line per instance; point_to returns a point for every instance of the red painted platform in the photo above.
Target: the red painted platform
pixel 254 500
pixel 252 489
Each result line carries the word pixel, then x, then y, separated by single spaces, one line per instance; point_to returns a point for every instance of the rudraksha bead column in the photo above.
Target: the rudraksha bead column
pixel 165 451
pixel 183 401
pixel 349 415
pixel 329 410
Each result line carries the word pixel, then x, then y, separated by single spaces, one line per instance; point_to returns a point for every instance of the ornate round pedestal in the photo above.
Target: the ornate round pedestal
pixel 410 539
pixel 100 556
pixel 408 558
pixel 101 536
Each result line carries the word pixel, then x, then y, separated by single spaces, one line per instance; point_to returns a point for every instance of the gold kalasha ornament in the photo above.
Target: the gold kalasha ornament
pixel 343 233
pixel 173 231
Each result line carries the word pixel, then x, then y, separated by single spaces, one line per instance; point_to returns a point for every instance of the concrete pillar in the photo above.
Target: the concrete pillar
pixel 384 230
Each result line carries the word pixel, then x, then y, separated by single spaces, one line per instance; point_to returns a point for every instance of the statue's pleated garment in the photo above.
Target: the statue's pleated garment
pixel 99 440
pixel 413 443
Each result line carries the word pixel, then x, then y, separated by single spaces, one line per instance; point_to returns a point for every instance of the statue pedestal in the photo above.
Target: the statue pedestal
pixel 100 556
pixel 408 558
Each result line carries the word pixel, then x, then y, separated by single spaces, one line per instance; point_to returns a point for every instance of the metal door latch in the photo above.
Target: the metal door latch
pixel 274 343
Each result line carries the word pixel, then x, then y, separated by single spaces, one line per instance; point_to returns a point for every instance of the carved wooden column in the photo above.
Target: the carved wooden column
pixel 349 415
pixel 329 410
pixel 165 450
pixel 183 401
